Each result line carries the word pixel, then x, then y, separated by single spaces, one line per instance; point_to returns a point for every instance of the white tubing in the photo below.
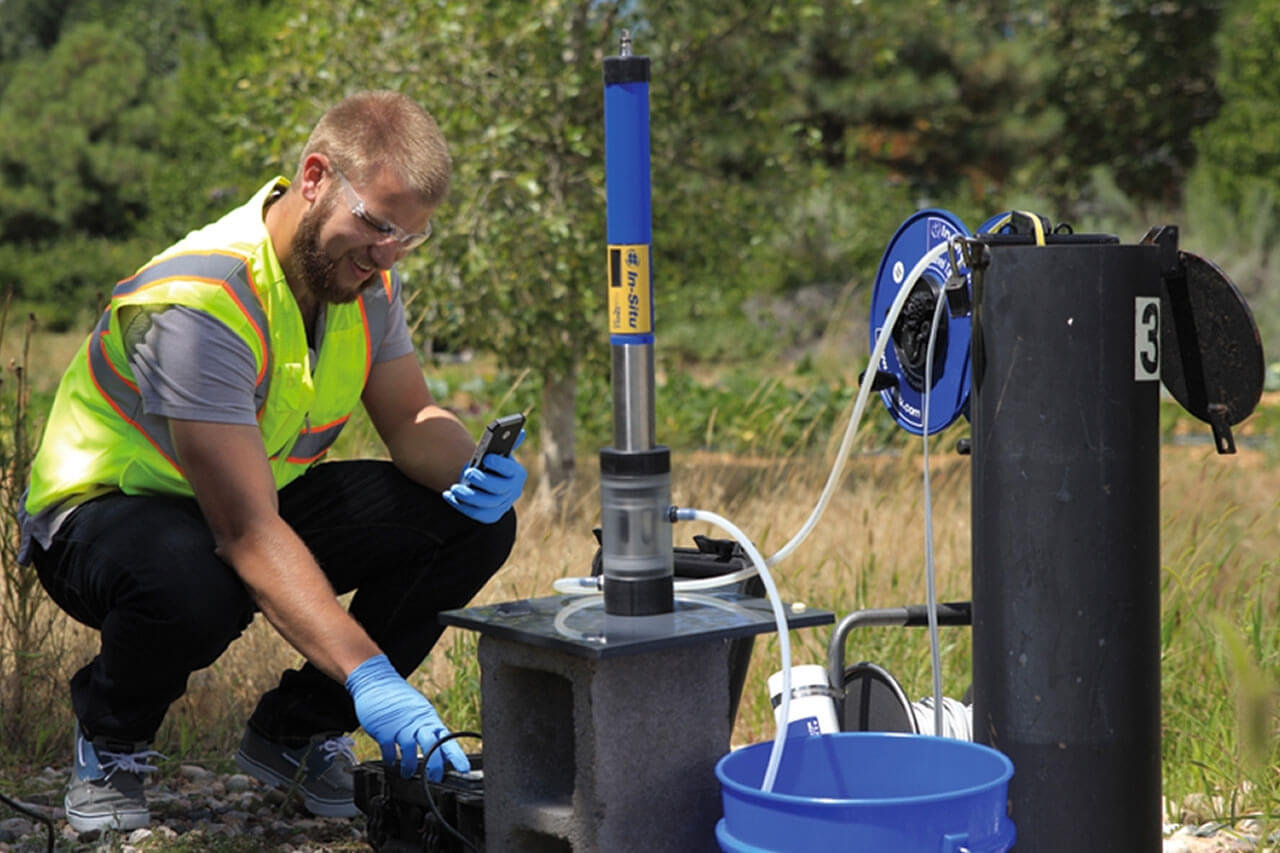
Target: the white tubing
pixel 579 586
pixel 931 589
pixel 864 391
pixel 780 618
pixel 561 621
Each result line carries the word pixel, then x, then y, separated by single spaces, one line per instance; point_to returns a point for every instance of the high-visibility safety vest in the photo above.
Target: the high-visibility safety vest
pixel 98 438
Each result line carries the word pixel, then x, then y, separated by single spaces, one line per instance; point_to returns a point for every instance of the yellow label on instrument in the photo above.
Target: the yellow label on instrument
pixel 630 302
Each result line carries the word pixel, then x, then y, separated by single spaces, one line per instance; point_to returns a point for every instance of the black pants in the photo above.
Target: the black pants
pixel 142 571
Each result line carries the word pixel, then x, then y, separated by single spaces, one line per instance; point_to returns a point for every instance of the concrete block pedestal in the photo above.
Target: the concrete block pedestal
pixel 602 733
pixel 609 754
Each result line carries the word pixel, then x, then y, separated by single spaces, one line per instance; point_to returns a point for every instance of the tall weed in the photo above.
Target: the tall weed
pixel 29 647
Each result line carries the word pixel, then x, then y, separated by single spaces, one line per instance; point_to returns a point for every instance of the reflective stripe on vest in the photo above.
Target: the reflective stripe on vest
pixel 98 437
pixel 228 271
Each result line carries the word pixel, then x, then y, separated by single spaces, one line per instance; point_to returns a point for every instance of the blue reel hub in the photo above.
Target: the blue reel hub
pixel 905 356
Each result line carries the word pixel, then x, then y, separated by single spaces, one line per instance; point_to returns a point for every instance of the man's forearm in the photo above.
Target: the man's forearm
pixel 296 598
pixel 431 449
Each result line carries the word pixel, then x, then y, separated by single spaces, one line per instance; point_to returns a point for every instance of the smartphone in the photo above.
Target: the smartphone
pixel 498 437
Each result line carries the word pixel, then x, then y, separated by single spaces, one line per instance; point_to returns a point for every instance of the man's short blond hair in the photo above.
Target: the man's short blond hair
pixel 370 131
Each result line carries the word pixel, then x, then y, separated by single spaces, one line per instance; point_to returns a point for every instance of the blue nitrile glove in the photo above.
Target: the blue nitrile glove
pixel 485 494
pixel 394 714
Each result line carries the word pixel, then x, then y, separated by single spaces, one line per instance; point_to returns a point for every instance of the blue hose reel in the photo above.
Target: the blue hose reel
pixel 901 372
pixel 1213 366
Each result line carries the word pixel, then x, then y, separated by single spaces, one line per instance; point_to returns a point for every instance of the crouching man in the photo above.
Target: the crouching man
pixel 179 486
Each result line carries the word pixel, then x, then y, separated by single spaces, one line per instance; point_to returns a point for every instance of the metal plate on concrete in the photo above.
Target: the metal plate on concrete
pixel 579 625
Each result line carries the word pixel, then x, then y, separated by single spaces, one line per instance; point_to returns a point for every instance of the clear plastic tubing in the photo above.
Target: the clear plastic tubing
pixel 779 617
pixel 931 588
pixel 585 585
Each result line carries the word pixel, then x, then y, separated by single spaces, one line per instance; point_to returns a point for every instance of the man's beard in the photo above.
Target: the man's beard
pixel 319 272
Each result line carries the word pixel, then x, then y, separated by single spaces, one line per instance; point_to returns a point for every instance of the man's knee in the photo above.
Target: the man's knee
pixel 509 526
pixel 500 538
pixel 477 557
pixel 202 618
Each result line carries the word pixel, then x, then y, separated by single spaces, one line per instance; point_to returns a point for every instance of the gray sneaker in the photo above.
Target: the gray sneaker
pixel 319 771
pixel 106 785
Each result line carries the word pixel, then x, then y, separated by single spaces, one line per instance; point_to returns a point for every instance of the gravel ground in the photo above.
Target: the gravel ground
pixel 195 808
pixel 1200 833
pixel 190 810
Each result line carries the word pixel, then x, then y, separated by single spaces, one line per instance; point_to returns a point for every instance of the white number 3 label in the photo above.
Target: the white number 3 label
pixel 1146 339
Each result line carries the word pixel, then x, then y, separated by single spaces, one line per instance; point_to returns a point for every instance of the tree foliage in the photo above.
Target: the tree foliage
pixel 945 95
pixel 78 153
pixel 79 140
pixel 1134 80
pixel 106 147
pixel 30 25
pixel 1241 147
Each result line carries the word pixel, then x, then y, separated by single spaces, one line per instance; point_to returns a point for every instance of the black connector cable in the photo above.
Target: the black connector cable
pixel 21 807
pixel 427 789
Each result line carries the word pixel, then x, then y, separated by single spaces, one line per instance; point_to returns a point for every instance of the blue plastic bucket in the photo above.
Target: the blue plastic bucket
pixel 873 791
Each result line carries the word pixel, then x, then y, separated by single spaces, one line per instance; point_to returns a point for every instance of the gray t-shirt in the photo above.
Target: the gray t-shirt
pixel 190 366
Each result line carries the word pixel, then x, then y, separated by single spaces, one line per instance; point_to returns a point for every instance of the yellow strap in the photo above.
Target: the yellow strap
pixel 1036 224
